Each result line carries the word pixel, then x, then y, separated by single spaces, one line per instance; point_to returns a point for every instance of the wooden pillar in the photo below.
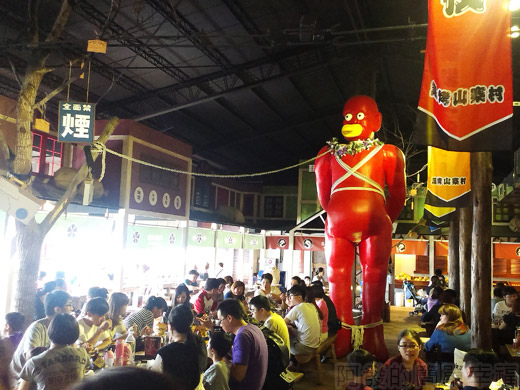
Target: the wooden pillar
pixel 481 172
pixel 465 231
pixel 453 253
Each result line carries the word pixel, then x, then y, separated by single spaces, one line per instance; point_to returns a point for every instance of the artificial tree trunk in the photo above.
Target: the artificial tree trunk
pixel 481 176
pixel 30 237
pixel 29 243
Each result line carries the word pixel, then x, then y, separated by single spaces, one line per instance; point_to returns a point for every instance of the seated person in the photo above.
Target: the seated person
pixel 185 358
pixel 143 318
pixel 307 281
pixel 62 364
pixel 36 334
pixel 229 282
pixel 512 320
pixel 250 355
pixel 13 330
pixel 497 292
pixel 406 369
pixel 478 369
pixel 319 294
pixel 93 327
pixel 451 331
pixel 432 317
pixel 216 377
pixel 266 290
pixel 237 291
pixel 222 285
pixel 191 281
pixel 361 364
pixel 205 301
pixel 333 323
pixel 182 296
pixel 296 281
pixel 94 292
pixel 260 308
pixel 305 322
pixel 504 307
pixel 433 298
pixel 117 306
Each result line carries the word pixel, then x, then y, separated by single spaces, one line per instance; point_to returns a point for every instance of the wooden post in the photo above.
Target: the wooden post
pixel 481 172
pixel 453 253
pixel 465 231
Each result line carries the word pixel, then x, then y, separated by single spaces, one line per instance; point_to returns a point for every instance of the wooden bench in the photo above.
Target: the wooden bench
pixel 324 347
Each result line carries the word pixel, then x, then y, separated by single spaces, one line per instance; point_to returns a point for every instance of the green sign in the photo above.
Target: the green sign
pixel 229 239
pixel 153 237
pixel 253 241
pixel 201 237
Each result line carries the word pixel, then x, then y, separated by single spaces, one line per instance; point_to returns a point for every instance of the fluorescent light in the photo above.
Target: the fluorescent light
pixel 515 28
pixel 515 35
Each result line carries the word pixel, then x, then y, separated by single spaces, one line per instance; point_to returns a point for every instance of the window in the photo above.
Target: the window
pixel 273 207
pixel 47 154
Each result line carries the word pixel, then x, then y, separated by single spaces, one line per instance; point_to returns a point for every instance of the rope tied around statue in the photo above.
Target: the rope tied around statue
pixel 358 332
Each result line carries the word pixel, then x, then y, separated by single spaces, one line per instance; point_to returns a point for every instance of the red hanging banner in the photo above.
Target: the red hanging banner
pixel 466 101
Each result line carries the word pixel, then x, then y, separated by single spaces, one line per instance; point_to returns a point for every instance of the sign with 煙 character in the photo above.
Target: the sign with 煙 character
pixel 466 101
pixel 76 122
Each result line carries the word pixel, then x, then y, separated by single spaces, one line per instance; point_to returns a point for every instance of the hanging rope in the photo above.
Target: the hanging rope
pixel 103 149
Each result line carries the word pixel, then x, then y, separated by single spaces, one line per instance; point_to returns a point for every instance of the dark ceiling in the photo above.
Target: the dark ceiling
pixel 252 85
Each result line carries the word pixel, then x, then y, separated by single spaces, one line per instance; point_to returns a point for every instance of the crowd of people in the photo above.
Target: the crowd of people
pixel 223 337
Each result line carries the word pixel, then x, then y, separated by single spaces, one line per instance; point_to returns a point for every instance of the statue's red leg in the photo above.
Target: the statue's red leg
pixel 340 253
pixel 374 253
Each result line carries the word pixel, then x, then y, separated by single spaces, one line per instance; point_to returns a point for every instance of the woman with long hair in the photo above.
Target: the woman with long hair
pixel 182 296
pixel 451 331
pixel 185 358
pixel 117 309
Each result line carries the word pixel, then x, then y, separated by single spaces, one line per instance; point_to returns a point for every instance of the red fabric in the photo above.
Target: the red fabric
pixel 467 80
pixel 199 305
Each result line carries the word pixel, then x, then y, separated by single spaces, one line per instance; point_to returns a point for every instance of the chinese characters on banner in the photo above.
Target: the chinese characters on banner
pixel 449 183
pixel 466 101
pixel 76 122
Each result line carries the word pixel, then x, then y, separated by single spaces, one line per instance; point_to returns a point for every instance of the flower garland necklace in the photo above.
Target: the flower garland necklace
pixel 352 147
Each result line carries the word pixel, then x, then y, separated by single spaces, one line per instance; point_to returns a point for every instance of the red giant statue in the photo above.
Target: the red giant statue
pixel 361 186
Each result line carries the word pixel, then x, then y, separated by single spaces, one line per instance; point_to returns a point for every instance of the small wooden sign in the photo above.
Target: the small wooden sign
pixel 41 124
pixel 97 46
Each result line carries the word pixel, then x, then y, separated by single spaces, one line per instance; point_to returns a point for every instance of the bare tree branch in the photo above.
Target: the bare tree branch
pixel 49 96
pixel 61 21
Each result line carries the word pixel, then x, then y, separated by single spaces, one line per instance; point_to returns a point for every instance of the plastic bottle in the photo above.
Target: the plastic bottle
pixel 120 350
pixel 130 341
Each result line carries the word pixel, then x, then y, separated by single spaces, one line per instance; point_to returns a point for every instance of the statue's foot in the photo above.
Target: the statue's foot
pixel 343 344
pixel 374 342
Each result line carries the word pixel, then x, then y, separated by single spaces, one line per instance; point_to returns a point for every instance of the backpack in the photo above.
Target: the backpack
pixel 277 362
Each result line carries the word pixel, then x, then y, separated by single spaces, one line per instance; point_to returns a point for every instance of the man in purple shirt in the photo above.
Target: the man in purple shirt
pixel 249 347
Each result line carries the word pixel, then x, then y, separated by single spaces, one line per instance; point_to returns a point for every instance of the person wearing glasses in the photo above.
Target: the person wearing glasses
pixel 56 302
pixel 405 370
pixel 303 322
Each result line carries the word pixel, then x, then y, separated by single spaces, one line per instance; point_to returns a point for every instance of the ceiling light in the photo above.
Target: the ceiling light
pixel 514 5
pixel 515 35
